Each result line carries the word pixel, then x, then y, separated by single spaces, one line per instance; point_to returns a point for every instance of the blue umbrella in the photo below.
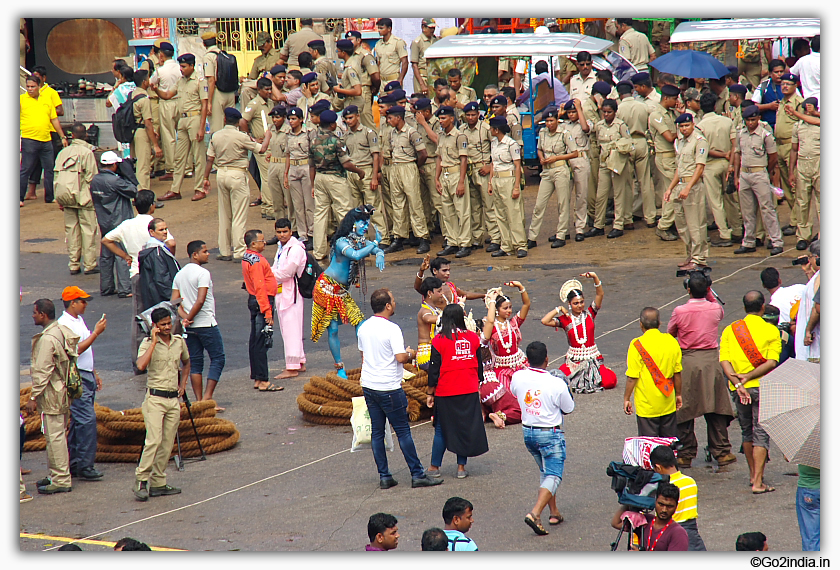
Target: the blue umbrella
pixel 690 63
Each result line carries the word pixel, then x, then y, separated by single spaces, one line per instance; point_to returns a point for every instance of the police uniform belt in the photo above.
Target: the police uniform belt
pixel 783 140
pixel 556 164
pixel 163 393
pixel 301 162
pixel 452 169
pixel 667 153
pixel 387 161
pixel 754 168
pixel 684 179
pixel 503 173
pixel 191 114
pixel 638 135
pixel 390 77
pixel 276 159
pixel 240 168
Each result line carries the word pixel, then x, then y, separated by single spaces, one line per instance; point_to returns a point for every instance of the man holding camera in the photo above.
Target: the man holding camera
pixel 749 349
pixel 261 287
pixel 704 389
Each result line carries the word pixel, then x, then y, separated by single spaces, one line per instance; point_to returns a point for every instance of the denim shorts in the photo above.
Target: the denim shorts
pixel 548 447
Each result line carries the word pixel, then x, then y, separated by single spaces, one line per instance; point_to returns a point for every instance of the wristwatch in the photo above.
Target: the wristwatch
pixel 31 398
pixel 738 385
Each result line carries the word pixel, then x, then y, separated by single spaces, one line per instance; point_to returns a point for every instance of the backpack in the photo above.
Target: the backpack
pixel 73 382
pixel 68 182
pixel 635 486
pixel 123 121
pixel 227 72
pixel 311 271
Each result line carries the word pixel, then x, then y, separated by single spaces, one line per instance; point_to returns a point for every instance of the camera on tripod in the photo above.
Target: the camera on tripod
pixel 706 272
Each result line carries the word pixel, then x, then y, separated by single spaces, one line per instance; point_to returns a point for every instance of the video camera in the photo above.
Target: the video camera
pixel 705 272
pixel 803 261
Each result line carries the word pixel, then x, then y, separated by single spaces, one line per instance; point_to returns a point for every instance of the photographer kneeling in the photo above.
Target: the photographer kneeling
pixel 661 532
pixel 704 389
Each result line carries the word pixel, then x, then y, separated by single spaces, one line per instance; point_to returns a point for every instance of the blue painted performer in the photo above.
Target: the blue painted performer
pixel 331 301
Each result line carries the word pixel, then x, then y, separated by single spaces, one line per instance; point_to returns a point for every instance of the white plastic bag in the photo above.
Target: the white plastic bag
pixel 360 421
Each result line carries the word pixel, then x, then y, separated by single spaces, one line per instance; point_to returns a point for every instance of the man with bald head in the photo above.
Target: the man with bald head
pixel 749 349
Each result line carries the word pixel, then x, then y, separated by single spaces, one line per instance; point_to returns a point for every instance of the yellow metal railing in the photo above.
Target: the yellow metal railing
pixel 238 36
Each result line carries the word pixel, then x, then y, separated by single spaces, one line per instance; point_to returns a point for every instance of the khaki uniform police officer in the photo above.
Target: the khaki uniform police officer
pixel 268 58
pixel 504 184
pixel 276 158
pixel 408 154
pixel 218 100
pixel 391 53
pixel 417 56
pixel 664 131
pixel 720 134
pixel 450 183
pixel 783 133
pixel 298 43
pixel 554 149
pixel 324 66
pixel 384 170
pixel 350 91
pixel 228 150
pixel 158 164
pixel 363 146
pixel 615 147
pixel 687 192
pixel 144 138
pixel 165 78
pixel 590 107
pixel 191 90
pixel 635 115
pixel 463 93
pixel 805 166
pixel 366 67
pixel 428 125
pixel 579 166
pixel 479 164
pixel 297 178
pixel 255 120
pixel 755 154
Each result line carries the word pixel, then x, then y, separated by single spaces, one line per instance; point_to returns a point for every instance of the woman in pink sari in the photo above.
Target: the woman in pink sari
pixel 289 263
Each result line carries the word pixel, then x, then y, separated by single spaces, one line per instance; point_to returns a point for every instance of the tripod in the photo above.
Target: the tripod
pixel 179 460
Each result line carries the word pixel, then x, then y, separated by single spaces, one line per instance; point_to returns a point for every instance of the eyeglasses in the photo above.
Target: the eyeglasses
pixel 259 241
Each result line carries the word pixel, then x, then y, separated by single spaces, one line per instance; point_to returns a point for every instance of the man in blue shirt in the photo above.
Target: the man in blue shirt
pixel 769 92
pixel 458 518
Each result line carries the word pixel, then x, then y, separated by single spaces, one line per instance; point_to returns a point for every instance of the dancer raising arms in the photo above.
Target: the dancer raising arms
pixel 427 318
pixel 584 364
pixel 501 332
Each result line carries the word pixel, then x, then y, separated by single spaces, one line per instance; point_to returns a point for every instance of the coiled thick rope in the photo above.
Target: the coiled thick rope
pixel 120 435
pixel 327 401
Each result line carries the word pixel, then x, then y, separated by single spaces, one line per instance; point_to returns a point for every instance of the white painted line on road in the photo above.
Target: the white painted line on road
pixel 208 499
pixel 633 322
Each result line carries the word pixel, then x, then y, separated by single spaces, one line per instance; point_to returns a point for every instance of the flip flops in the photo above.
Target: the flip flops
pixel 535 525
pixel 271 388
pixel 766 489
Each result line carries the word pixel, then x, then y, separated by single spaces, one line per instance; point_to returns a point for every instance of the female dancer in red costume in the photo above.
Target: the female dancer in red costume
pixel 501 332
pixel 584 364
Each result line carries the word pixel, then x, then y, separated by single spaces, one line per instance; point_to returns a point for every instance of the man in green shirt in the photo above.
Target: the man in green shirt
pixel 808 507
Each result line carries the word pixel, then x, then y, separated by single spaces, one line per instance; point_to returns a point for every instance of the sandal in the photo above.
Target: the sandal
pixel 271 388
pixel 554 520
pixel 535 525
pixel 766 489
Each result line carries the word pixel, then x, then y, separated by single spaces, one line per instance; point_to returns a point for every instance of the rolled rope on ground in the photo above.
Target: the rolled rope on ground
pixel 120 434
pixel 327 401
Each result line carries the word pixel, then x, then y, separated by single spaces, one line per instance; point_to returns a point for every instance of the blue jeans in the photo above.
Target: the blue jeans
pixel 200 339
pixel 81 437
pixel 439 447
pixel 548 447
pixel 808 513
pixel 391 405
pixel 31 152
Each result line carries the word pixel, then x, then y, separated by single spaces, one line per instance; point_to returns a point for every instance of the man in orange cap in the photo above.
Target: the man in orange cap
pixel 81 436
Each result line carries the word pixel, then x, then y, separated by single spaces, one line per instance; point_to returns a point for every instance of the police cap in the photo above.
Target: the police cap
pixel 739 89
pixel 684 118
pixel 640 78
pixel 328 116
pixel 296 112
pixel 395 110
pixel 316 43
pixel 345 46
pixel 308 78
pixel 471 106
pixel 424 103
pixel 497 122
pixel 391 85
pixel 279 68
pixel 751 111
pixel 278 111
pixel 232 113
pixel 353 34
pixel 499 100
pixel 669 90
pixel 350 110
pixel 569 105
pixel 602 88
pixel 445 110
pixel 186 58
pixel 790 77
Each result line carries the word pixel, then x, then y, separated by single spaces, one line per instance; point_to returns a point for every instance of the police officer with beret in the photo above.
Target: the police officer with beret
pixel 805 167
pixel 363 147
pixel 417 54
pixel 268 58
pixel 756 154
pixel 228 150
pixel 687 193
pixel 192 113
pixel 719 131
pixel 324 67
pixel 554 148
pixel 350 90
pixel 328 161
pixel 218 100
pixel 165 77
pixel 365 65
pixel 664 132
pixel 428 126
pixel 385 131
pixel 635 114
pixel 784 131
pixel 506 155
pixel 255 121
pixel 312 95
pixel 479 164
pixel 297 178
pixel 450 183
pixel 408 154
pixel 276 158
pixel 579 127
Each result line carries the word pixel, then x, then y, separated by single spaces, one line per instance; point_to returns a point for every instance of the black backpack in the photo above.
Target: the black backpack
pixel 123 121
pixel 311 271
pixel 227 72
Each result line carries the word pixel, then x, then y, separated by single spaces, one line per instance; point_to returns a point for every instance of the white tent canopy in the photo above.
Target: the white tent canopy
pixel 515 45
pixel 746 29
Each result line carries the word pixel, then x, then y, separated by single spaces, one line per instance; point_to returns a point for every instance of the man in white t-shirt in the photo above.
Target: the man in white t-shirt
pixel 383 354
pixel 194 286
pixel 81 435
pixel 808 70
pixel 543 399
pixel 133 234
pixel 781 297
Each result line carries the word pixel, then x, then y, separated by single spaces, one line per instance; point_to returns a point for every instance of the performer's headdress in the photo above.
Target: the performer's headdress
pixel 570 289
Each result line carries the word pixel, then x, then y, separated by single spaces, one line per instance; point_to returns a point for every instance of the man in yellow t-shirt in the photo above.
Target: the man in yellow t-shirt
pixel 665 463
pixel 654 364
pixel 36 117
pixel 50 95
pixel 749 349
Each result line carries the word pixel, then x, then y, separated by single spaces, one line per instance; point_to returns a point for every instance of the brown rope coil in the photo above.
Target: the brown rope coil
pixel 121 434
pixel 327 401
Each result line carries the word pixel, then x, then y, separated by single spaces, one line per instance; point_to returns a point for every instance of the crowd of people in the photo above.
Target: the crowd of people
pixel 340 188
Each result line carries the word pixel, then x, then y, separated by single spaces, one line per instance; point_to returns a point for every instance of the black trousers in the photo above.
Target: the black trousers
pixel 660 426
pixel 257 351
pixel 34 152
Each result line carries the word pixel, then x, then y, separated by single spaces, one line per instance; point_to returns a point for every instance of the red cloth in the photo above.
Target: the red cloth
pixel 589 323
pixel 459 365
pixel 695 324
pixel 608 377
